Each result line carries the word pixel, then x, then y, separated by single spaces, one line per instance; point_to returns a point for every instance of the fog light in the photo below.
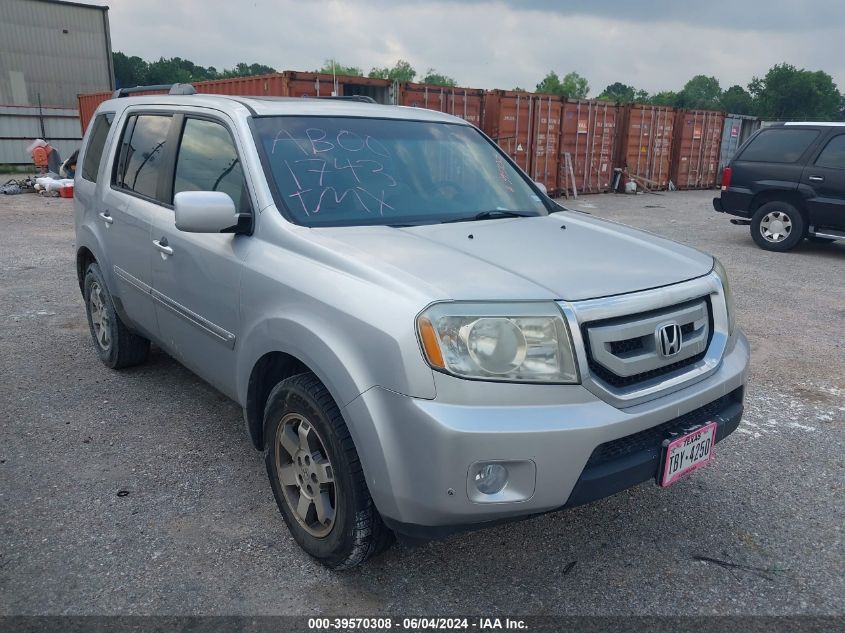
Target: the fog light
pixel 491 478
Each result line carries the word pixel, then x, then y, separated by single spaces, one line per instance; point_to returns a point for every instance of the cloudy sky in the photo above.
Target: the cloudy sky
pixel 651 44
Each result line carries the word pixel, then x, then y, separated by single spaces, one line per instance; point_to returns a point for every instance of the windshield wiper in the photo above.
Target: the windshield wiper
pixel 491 215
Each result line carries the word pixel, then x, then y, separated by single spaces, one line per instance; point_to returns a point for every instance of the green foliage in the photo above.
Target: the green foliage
pixel 134 71
pixel 736 100
pixel 401 71
pixel 129 71
pixel 434 77
pixel 572 85
pixel 700 92
pixel 787 92
pixel 332 67
pixel 664 98
pixel 619 92
pixel 243 70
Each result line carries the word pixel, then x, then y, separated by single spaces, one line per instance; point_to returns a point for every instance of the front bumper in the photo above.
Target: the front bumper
pixel 417 454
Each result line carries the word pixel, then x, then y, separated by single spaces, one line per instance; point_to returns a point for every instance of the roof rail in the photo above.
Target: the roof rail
pixel 172 89
pixel 361 98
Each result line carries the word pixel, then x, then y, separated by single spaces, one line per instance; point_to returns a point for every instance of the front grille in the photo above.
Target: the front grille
pixel 652 439
pixel 627 348
pixel 621 382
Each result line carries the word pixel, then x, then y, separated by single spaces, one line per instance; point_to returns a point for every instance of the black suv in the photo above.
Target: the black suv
pixel 788 182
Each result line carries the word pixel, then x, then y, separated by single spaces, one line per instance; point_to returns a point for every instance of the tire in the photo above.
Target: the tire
pixel 777 226
pixel 350 529
pixel 116 345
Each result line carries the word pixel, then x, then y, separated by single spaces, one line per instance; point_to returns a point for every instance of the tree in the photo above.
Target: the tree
pixel 700 92
pixel 401 71
pixel 618 92
pixel 129 71
pixel 434 77
pixel 245 70
pixel 736 100
pixel 572 85
pixel 332 67
pixel 787 92
pixel 664 98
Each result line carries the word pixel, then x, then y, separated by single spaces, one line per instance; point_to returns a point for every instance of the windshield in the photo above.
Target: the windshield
pixel 334 171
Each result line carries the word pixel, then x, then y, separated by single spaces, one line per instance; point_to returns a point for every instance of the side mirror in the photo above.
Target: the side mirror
pixel 541 187
pixel 206 212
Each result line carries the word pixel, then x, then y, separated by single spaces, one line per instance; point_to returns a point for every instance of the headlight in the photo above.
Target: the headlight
pixel 527 342
pixel 726 288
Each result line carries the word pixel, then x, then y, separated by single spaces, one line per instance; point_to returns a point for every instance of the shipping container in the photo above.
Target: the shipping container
pixel 738 127
pixel 300 84
pixel 645 147
pixel 271 85
pixel 589 136
pixel 465 103
pixel 287 84
pixel 507 119
pixel 695 151
pixel 545 142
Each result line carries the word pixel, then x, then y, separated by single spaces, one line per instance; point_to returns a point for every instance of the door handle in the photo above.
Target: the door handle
pixel 816 178
pixel 105 217
pixel 162 246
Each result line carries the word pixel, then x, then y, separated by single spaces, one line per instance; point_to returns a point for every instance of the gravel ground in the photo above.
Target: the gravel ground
pixel 199 533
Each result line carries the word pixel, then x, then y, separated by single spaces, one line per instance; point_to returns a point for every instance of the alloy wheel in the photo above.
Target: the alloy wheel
pixel 100 316
pixel 305 474
pixel 775 226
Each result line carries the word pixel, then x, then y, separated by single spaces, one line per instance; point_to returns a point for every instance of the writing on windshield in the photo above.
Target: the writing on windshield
pixel 327 168
pixel 351 170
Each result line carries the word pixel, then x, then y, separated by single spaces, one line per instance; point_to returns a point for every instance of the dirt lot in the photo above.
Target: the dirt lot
pixel 199 533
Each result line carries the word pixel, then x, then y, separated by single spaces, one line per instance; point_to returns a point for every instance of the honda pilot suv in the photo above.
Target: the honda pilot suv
pixel 421 340
pixel 788 182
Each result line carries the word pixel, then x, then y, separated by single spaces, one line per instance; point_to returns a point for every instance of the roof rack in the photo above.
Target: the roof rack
pixel 172 89
pixel 361 98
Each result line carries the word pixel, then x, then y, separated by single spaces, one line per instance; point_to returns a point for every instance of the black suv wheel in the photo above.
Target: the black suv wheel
pixel 777 226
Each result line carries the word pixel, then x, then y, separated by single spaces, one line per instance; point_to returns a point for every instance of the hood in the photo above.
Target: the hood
pixel 520 258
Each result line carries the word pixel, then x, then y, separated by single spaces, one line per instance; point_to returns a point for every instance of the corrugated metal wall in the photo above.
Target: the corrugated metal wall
pixel 57 50
pixel 738 127
pixel 19 125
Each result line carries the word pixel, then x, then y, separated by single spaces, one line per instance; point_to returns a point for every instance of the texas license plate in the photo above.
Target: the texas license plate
pixel 688 453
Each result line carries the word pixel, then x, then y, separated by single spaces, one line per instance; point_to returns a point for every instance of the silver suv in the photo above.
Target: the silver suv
pixel 421 340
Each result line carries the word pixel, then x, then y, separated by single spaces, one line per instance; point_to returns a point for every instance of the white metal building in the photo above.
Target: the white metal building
pixel 50 51
pixel 53 49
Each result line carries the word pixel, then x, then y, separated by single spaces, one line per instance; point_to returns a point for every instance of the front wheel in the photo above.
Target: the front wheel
pixel 317 478
pixel 777 226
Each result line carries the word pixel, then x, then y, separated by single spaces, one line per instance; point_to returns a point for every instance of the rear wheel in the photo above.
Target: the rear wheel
pixel 317 478
pixel 116 345
pixel 777 226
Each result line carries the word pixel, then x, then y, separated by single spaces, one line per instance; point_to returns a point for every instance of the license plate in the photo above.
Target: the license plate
pixel 688 453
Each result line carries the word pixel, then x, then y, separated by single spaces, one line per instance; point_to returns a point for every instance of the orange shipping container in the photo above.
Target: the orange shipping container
pixel 698 141
pixel 287 84
pixel 507 120
pixel 465 103
pixel 545 143
pixel 589 136
pixel 646 143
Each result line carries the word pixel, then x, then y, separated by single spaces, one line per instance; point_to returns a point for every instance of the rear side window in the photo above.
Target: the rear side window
pixel 141 156
pixel 96 143
pixel 208 161
pixel 833 155
pixel 779 145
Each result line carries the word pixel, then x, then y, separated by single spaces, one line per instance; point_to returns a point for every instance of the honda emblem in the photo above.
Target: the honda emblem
pixel 669 339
